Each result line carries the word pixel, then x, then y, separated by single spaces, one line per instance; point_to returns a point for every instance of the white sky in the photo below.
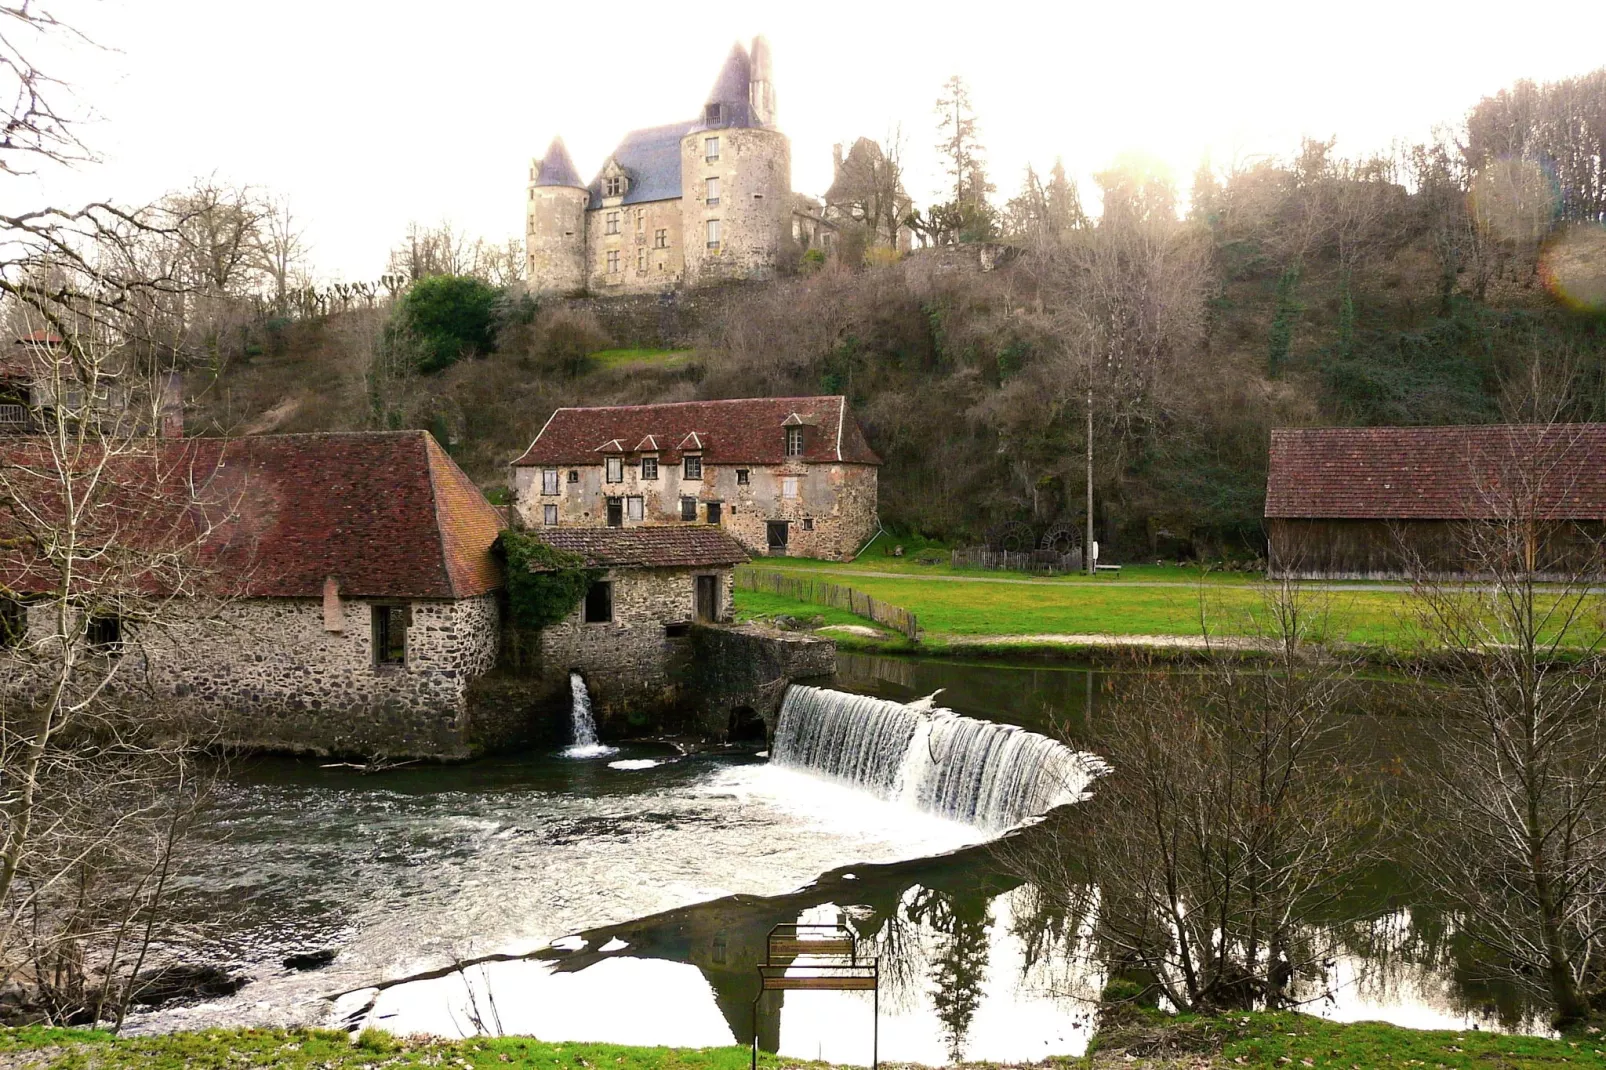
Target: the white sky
pixel 368 115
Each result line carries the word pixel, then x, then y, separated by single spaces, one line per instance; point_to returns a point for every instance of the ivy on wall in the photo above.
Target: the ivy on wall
pixel 543 584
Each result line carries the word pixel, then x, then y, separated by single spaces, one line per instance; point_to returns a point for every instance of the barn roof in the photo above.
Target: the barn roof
pixel 388 514
pixel 737 431
pixel 648 547
pixel 1437 473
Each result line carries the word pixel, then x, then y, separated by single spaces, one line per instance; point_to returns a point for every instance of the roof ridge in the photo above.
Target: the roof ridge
pixel 435 506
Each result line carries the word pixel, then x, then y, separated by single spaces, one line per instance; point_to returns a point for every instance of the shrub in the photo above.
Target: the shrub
pixel 449 317
pixel 542 597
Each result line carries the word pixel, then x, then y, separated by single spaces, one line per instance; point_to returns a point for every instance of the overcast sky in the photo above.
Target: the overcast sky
pixel 368 115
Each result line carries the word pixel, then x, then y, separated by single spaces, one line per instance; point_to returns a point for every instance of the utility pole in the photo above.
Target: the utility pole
pixel 1087 547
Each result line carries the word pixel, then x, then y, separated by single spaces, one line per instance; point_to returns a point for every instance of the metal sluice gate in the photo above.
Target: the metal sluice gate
pixel 840 971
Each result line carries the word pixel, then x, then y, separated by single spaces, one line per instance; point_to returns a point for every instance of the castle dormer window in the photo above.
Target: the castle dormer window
pixel 713 114
pixel 614 186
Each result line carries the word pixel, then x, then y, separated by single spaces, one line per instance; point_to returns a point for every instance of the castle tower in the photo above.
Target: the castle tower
pixel 736 174
pixel 555 230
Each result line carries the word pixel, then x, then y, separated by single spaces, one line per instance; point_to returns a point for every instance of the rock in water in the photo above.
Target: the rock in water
pixel 311 960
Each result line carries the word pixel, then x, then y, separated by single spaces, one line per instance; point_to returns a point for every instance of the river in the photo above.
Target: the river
pixel 636 890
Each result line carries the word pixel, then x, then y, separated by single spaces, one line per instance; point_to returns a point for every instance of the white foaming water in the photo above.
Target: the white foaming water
pixel 585 726
pixel 636 763
pixel 993 776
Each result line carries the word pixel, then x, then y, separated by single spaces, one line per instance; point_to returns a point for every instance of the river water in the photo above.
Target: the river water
pixel 626 897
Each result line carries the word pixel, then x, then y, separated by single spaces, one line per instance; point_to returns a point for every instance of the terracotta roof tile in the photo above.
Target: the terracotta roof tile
pixel 1436 473
pixel 738 431
pixel 648 547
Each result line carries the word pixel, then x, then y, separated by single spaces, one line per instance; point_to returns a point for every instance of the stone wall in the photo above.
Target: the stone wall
pixel 644 265
pixel 742 673
pixel 555 238
pixel 268 675
pixel 754 169
pixel 830 510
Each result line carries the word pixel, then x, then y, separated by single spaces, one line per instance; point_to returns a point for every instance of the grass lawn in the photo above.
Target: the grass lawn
pixel 751 604
pixel 319 1048
pixel 1297 1040
pixel 608 359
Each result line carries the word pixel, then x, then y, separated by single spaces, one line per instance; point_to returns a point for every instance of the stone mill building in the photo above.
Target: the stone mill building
pixel 704 199
pixel 783 476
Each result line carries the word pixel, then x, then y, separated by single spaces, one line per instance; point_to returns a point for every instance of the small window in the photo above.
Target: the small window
pixel 711 197
pixel 635 508
pixel 711 149
pixel 616 469
pixel 713 234
pixel 691 466
pixel 549 481
pixel 794 442
pixel 613 222
pixel 808 523
pixel 641 260
pixel 390 635
pixel 13 623
pixel 713 115
pixel 741 477
pixel 649 468
pixel 641 221
pixel 789 486
pixel 574 477
pixel 713 512
pixel 104 635
pixel 660 239
pixel 549 515
pixel 599 602
pixel 688 508
pixel 616 512
pixel 613 261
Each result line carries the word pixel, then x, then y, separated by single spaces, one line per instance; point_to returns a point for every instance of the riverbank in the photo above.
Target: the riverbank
pixel 1137 1041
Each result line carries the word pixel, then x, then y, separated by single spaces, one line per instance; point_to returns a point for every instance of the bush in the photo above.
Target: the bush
pixel 542 597
pixel 449 317
pixel 567 340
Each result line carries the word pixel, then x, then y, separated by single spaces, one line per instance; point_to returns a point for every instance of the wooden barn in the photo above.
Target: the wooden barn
pixel 1384 502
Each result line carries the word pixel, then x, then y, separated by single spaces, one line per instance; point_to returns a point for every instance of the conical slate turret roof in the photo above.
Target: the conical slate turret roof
pixel 556 167
pixel 730 89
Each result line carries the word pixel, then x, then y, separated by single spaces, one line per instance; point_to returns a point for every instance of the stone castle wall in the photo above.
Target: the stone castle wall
pixel 644 265
pixel 754 169
pixel 555 237
pixel 266 674
pixel 832 514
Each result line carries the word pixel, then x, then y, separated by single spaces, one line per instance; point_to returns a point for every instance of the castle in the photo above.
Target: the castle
pixel 691 202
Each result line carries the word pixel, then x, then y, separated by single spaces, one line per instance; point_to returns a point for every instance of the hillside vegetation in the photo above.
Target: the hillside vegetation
pixel 1455 282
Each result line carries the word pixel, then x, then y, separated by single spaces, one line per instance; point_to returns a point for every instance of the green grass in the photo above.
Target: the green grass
pixel 751 605
pixel 76 1049
pixel 609 359
pixel 1297 1040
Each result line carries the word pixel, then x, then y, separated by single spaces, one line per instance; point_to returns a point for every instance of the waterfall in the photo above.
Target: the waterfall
pixel 585 726
pixel 991 775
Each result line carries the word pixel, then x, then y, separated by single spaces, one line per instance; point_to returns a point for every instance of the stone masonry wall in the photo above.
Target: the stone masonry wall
pixel 269 676
pixel 644 265
pixel 734 670
pixel 832 514
pixel 754 169
pixel 555 238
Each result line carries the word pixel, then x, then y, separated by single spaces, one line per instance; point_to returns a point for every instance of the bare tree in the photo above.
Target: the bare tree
pixel 1512 832
pixel 281 247
pixel 34 126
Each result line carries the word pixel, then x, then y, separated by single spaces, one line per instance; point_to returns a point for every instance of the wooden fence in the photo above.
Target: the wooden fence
pixel 808 589
pixel 1047 562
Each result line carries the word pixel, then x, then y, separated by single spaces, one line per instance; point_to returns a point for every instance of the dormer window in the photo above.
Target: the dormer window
pixel 713 114
pixel 691 466
pixel 794 442
pixel 614 186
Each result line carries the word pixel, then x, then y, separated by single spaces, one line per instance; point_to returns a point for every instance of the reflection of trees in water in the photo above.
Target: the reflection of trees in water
pixel 900 945
pixel 1055 933
pixel 959 966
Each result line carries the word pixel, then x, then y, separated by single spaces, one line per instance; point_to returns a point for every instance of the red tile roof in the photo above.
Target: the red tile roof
pixel 1437 473
pixel 738 431
pixel 648 547
pixel 386 513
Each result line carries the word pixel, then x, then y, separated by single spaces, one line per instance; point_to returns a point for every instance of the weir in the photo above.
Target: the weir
pixel 991 775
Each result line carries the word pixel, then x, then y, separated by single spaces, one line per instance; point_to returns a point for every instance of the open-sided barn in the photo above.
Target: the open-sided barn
pixel 1387 502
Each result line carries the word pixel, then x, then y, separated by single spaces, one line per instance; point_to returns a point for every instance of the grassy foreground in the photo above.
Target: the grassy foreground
pixel 1141 1042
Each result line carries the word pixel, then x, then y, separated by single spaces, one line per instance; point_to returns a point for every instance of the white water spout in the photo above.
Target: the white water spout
pixel 584 725
pixel 993 776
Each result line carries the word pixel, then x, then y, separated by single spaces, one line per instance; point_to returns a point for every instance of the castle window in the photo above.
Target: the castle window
pixel 741 478
pixel 616 470
pixel 713 192
pixel 613 261
pixel 660 239
pixel 691 466
pixel 549 481
pixel 641 260
pixel 614 186
pixel 549 515
pixel 641 221
pixel 713 114
pixel 649 468
pixel 613 222
pixel 713 234
pixel 711 149
pixel 794 442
